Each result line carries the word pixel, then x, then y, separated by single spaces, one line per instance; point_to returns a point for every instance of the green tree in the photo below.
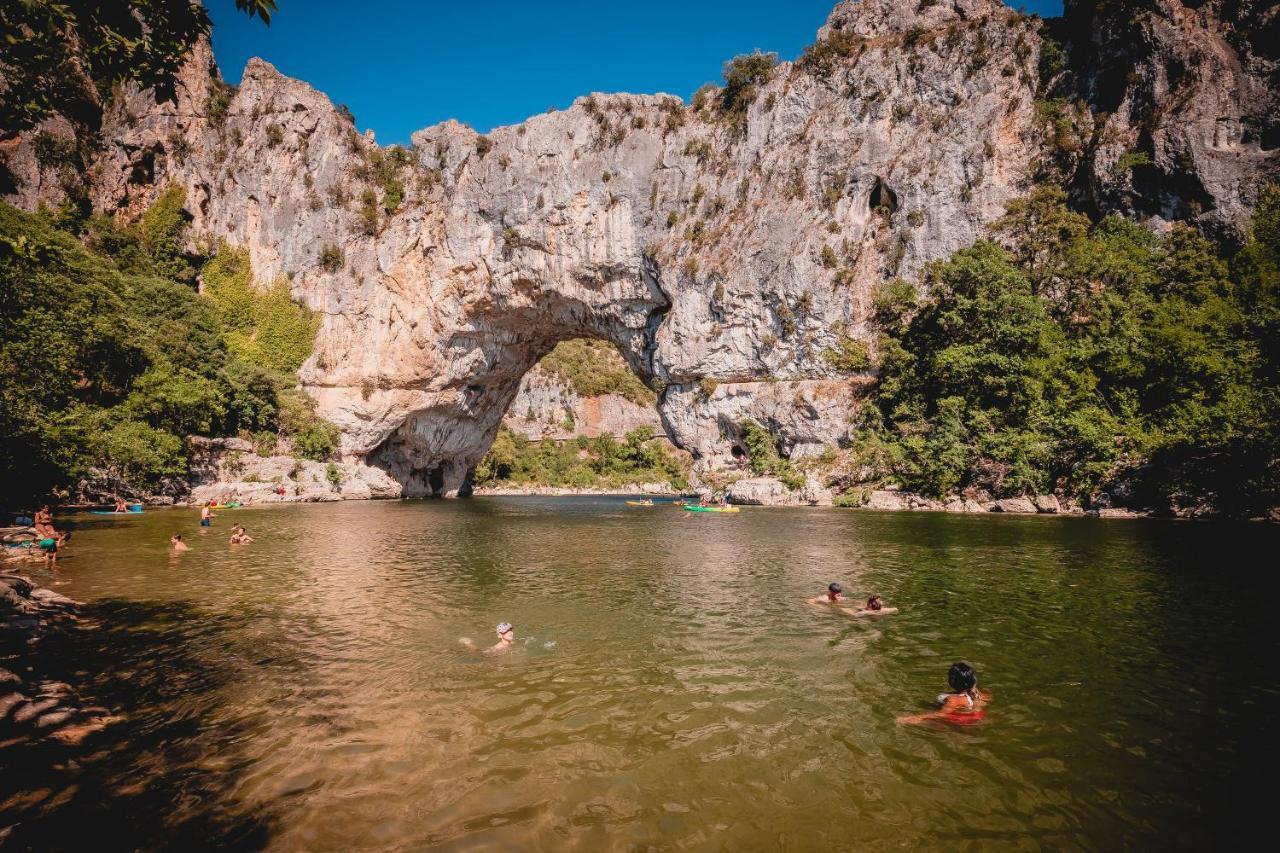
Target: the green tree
pixel 60 57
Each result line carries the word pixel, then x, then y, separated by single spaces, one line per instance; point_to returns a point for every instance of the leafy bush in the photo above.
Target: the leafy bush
pixel 849 355
pixel 331 258
pixel 592 368
pixel 218 104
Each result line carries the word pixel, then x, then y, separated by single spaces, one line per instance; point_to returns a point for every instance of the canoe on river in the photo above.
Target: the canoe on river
pixel 641 503
pixel 134 509
pixel 232 505
pixel 692 508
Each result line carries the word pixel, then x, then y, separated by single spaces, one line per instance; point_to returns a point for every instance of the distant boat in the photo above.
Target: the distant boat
pixel 697 508
pixel 134 509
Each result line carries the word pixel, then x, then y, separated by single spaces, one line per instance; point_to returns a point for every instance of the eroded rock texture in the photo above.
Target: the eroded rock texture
pixel 725 252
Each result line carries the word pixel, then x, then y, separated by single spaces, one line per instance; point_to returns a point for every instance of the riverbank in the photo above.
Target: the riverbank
pixel 35 707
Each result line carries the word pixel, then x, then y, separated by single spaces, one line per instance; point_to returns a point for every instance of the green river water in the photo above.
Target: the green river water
pixel 669 688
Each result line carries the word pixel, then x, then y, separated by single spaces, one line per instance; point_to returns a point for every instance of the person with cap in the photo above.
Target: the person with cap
pixel 506 636
pixel 833 596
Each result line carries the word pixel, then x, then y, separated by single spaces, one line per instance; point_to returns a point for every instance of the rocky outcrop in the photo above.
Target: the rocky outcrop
pixel 770 491
pixel 727 249
pixel 228 469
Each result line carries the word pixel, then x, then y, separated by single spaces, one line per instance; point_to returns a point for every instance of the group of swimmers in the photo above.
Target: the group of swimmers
pixel 239 533
pixel 965 705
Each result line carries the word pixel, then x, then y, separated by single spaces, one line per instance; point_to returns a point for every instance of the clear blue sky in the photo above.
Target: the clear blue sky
pixel 402 65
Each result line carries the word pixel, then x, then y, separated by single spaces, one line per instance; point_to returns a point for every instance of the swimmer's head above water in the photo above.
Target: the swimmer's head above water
pixel 833 591
pixel 962 678
pixel 506 631
pixel 874 603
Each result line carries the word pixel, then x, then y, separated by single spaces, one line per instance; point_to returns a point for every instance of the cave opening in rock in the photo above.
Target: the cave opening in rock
pixel 883 200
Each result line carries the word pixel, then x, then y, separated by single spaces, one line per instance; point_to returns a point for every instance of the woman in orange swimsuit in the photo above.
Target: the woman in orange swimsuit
pixel 965 706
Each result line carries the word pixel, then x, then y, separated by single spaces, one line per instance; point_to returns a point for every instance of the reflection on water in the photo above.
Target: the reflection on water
pixel 668 686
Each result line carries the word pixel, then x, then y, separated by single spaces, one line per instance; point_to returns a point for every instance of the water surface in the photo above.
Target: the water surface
pixel 669 688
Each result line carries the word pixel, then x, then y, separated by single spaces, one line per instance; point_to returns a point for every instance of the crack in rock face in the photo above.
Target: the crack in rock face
pixel 725 251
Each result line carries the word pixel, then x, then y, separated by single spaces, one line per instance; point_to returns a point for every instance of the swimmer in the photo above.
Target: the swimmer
pixel 874 607
pixel 178 545
pixel 963 707
pixel 240 536
pixel 506 636
pixel 833 596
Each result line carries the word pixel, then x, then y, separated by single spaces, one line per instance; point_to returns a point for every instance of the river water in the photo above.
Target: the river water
pixel 668 687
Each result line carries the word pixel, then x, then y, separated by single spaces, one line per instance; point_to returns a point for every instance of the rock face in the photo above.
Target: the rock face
pixel 546 406
pixel 726 251
pixel 1193 88
pixel 228 469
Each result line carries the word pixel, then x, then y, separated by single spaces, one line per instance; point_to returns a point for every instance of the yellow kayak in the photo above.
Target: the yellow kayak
pixel 692 508
pixel 641 503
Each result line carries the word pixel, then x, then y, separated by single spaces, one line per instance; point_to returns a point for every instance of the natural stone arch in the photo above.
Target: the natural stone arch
pixel 436 447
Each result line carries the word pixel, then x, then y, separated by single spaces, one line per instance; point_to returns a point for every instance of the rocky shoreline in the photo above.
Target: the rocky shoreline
pixel 34 707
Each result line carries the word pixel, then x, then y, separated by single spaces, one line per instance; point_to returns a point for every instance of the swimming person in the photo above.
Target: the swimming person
pixel 178 545
pixel 506 636
pixel 240 536
pixel 206 514
pixel 874 607
pixel 834 591
pixel 964 706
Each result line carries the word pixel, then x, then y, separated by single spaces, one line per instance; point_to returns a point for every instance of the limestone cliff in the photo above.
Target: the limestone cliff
pixel 726 247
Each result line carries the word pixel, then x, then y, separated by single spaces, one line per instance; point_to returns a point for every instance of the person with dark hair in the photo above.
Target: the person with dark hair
pixel 964 706
pixel 833 596
pixel 178 545
pixel 874 607
pixel 240 536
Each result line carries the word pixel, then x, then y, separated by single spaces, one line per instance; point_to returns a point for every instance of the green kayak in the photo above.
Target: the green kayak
pixel 711 508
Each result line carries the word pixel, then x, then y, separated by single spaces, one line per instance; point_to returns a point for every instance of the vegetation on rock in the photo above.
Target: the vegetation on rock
pixel 110 358
pixel 603 462
pixel 592 368
pixel 1086 358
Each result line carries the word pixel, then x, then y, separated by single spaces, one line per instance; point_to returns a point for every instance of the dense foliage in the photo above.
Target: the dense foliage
pixel 109 357
pixel 592 368
pixel 1086 359
pixel 602 462
pixel 54 53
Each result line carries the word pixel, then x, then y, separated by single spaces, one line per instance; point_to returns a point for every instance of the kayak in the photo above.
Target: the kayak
pixel 691 508
pixel 134 509
pixel 232 505
pixel 640 503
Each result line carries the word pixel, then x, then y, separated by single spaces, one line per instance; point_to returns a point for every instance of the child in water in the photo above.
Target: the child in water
pixel 178 545
pixel 962 707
